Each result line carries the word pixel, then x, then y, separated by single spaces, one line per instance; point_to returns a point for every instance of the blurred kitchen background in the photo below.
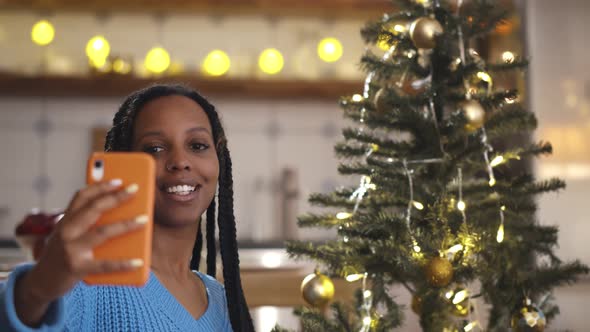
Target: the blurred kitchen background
pixel 258 62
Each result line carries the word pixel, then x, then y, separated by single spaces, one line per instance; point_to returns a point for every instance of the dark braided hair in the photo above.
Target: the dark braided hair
pixel 119 138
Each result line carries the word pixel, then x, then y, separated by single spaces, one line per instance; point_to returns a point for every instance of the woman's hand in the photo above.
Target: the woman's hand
pixel 67 257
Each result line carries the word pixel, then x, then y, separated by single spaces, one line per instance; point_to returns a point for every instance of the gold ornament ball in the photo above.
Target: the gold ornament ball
pixel 317 289
pixel 380 100
pixel 439 272
pixel 528 318
pixel 474 114
pixel 423 32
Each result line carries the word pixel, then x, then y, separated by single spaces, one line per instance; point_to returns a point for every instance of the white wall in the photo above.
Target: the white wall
pixel 557 34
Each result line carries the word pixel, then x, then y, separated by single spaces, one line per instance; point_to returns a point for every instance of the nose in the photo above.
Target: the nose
pixel 177 161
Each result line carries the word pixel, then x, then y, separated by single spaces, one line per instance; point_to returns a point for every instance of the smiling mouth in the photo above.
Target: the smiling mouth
pixel 181 190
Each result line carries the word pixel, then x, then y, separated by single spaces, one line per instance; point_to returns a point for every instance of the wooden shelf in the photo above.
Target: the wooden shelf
pixel 118 86
pixel 323 8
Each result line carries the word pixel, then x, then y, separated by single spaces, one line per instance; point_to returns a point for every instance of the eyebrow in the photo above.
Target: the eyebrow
pixel 188 131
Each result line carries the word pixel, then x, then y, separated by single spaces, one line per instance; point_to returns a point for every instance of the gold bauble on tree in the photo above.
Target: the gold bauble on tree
pixel 528 318
pixel 439 272
pixel 474 113
pixel 424 31
pixel 317 289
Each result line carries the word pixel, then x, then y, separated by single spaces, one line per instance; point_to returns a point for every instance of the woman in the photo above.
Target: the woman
pixel 183 133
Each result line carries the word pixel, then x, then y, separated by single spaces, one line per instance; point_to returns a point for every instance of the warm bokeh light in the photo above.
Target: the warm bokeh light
pixel 330 49
pixel 98 47
pixel 216 63
pixel 508 57
pixel 157 60
pixel 271 61
pixel 42 33
pixel 120 66
pixel 98 63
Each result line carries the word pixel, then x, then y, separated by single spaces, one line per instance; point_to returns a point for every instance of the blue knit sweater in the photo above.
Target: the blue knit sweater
pixel 118 308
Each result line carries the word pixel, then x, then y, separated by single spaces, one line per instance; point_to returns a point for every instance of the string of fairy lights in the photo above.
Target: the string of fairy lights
pixel 157 60
pixel 439 270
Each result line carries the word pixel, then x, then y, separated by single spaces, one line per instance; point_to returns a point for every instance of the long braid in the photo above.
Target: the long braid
pixel 196 258
pixel 211 250
pixel 238 310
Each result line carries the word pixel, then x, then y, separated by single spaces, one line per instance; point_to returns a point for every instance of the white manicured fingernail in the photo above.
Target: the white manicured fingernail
pixel 136 262
pixel 143 219
pixel 116 182
pixel 132 188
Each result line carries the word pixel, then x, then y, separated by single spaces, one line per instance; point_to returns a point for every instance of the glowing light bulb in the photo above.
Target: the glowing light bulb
pixel 367 294
pixel 461 206
pixel 157 60
pixel 357 98
pixel 354 277
pixel 330 49
pixel 482 75
pixel 367 320
pixel 456 248
pixel 271 61
pixel 470 326
pixel 416 246
pixel 98 48
pixel 418 205
pixel 500 235
pixel 492 181
pixel 42 33
pixel 343 215
pixel 449 294
pixel 460 296
pixel 216 63
pixel 508 57
pixel 497 161
pixel 399 28
pixel 503 208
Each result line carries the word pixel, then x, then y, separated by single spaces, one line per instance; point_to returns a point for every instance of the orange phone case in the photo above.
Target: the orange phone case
pixel 130 167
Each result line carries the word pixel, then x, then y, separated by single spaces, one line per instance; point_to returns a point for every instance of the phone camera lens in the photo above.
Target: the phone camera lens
pixel 98 164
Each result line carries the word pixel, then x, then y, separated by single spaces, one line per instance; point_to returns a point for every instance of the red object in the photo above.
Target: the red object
pixel 33 231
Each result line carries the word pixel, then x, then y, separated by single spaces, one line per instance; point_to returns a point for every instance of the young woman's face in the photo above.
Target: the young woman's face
pixel 176 131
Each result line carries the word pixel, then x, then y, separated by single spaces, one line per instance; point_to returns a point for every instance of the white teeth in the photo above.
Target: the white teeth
pixel 181 189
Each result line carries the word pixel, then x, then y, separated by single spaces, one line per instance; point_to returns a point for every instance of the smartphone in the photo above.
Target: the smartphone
pixel 132 168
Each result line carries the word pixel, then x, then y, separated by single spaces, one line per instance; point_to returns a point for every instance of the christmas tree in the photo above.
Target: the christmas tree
pixel 446 201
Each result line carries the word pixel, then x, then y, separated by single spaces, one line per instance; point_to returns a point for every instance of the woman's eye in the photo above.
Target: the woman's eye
pixel 199 146
pixel 153 149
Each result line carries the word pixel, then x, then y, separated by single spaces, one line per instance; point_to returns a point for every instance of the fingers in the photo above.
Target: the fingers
pixel 80 221
pixel 91 192
pixel 103 233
